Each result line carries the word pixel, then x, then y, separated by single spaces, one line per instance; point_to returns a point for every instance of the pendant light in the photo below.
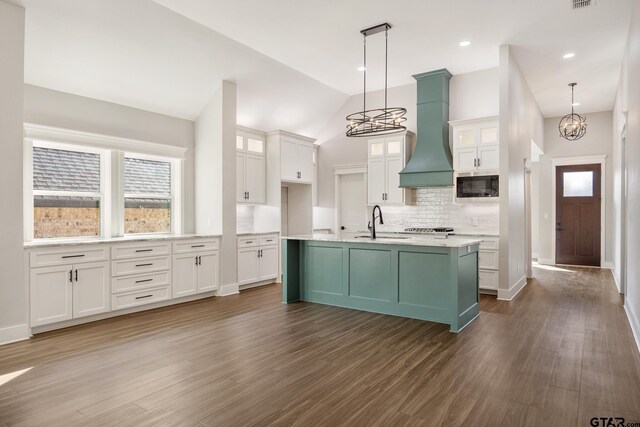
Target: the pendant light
pixel 573 126
pixel 379 121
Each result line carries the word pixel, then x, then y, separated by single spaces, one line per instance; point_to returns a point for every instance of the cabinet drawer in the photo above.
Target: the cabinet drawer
pixel 48 258
pixel 271 239
pixel 247 242
pixel 140 250
pixel 143 297
pixel 489 243
pixel 489 259
pixel 140 265
pixel 140 281
pixel 488 279
pixel 195 245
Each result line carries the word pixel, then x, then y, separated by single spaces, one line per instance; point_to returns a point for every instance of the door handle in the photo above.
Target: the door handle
pixel 196 260
pixel 76 274
pixel 199 260
pixel 70 276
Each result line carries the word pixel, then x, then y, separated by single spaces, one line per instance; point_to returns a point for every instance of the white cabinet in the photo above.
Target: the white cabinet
pixel 314 189
pixel 68 291
pixel 195 272
pixel 258 258
pixel 476 145
pixel 296 160
pixel 488 263
pixel 250 167
pixel 386 158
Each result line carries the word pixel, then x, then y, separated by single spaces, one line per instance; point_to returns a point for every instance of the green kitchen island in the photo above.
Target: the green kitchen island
pixel 419 277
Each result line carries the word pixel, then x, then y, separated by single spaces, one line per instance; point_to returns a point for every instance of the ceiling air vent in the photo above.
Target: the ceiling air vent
pixel 581 4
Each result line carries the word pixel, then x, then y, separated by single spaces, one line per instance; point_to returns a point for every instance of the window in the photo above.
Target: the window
pixel 67 193
pixel 148 195
pixel 578 184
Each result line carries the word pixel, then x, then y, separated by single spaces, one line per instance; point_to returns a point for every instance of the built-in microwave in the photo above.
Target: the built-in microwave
pixel 477 186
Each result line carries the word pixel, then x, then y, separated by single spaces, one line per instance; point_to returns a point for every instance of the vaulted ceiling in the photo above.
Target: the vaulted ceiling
pixel 295 61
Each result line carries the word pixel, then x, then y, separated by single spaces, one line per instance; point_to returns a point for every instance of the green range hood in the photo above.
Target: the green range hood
pixel 431 162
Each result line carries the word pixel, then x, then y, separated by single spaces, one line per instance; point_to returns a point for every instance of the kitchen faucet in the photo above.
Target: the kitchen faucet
pixel 372 224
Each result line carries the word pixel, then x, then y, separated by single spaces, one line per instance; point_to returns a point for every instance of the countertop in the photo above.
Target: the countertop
pixel 246 233
pixel 475 234
pixel 388 239
pixel 103 240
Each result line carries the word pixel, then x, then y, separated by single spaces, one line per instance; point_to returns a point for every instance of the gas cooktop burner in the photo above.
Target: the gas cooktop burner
pixel 429 230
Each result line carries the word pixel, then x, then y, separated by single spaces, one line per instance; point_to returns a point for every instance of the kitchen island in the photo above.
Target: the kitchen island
pixel 422 278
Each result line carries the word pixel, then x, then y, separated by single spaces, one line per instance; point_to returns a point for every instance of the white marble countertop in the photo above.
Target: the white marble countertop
pixel 389 239
pixel 475 234
pixel 260 233
pixel 102 240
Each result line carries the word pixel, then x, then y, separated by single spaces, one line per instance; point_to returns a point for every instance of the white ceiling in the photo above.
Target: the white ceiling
pixel 140 54
pixel 321 39
pixel 295 61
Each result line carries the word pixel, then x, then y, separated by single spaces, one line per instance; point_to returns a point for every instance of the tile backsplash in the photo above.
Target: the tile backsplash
pixel 436 207
pixel 244 219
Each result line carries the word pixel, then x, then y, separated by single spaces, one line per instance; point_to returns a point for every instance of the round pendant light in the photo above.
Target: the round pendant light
pixel 573 126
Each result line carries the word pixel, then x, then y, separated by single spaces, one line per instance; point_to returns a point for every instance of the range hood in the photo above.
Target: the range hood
pixel 431 162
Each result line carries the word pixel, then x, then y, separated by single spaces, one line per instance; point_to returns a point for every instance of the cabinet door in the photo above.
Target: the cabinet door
pixel 305 162
pixel 376 148
pixel 289 160
pixel 489 158
pixel 269 262
pixel 208 271
pixel 255 178
pixel 91 289
pixel 51 294
pixel 240 178
pixel 394 192
pixel 376 176
pixel 465 138
pixel 465 159
pixel 184 275
pixel 248 265
pixel 489 134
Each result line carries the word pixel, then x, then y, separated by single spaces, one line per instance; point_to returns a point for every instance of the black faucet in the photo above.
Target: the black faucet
pixel 372 224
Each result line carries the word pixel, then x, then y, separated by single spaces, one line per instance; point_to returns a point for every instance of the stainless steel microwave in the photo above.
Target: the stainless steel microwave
pixel 477 186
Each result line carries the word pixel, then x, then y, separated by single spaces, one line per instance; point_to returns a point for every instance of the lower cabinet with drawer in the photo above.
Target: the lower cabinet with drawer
pixel 72 282
pixel 63 290
pixel 258 259
pixel 488 264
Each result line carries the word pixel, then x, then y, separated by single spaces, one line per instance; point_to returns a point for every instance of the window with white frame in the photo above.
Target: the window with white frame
pixel 67 192
pixel 148 195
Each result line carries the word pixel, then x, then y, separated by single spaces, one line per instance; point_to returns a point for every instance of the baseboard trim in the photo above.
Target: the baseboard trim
pixel 14 334
pixel 508 295
pixel 257 284
pixel 635 324
pixel 534 255
pixel 608 265
pixel 615 278
pixel 230 289
pixel 546 261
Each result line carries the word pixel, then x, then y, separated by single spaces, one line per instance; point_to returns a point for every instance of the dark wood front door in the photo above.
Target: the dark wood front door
pixel 578 215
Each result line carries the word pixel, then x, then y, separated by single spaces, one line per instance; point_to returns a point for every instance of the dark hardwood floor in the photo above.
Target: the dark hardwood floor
pixel 560 353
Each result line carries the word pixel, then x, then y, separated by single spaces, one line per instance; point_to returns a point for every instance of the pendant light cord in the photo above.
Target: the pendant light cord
pixel 386 61
pixel 364 96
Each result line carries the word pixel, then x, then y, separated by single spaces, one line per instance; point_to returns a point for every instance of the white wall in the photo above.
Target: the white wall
pixel 472 95
pixel 628 100
pixel 215 178
pixel 520 123
pixel 59 109
pixel 596 141
pixel 13 312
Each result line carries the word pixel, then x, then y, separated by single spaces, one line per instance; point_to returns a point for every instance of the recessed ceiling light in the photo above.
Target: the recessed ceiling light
pixel 361 68
pixel 465 43
pixel 575 104
pixel 568 55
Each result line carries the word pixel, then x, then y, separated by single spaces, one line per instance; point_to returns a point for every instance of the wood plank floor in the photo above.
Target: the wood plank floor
pixel 560 353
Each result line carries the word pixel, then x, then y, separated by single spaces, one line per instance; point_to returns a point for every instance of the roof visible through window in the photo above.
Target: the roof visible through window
pixel 143 176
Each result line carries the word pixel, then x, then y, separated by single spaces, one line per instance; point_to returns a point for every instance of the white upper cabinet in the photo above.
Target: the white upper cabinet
pixel 250 167
pixel 386 158
pixel 476 145
pixel 296 160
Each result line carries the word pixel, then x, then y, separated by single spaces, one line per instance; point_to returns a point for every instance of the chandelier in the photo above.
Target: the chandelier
pixel 379 121
pixel 573 126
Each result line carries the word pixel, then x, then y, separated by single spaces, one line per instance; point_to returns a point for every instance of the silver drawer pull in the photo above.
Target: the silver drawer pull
pixel 144 265
pixel 145 280
pixel 197 246
pixel 72 256
pixel 269 240
pixel 249 241
pixel 145 296
pixel 144 250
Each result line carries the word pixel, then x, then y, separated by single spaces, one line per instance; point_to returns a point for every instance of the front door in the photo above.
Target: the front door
pixel 578 215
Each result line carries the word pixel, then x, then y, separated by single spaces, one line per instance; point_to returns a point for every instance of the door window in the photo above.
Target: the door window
pixel 577 184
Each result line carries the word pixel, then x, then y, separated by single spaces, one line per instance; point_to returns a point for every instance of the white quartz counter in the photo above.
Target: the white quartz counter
pixel 390 239
pixel 104 240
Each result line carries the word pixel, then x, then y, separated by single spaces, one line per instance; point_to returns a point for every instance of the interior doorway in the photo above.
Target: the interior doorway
pixel 353 203
pixel 578 215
